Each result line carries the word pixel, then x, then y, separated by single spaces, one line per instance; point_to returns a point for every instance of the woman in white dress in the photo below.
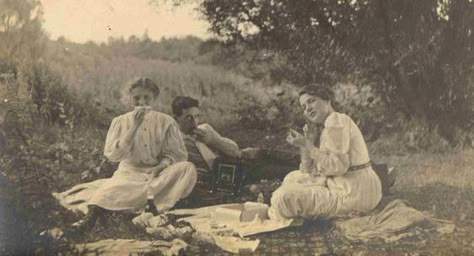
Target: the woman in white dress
pixel 152 156
pixel 334 178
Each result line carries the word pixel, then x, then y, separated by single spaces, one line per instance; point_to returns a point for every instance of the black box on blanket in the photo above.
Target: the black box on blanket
pixel 228 175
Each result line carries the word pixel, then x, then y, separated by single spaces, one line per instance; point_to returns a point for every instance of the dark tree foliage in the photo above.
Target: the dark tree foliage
pixel 417 54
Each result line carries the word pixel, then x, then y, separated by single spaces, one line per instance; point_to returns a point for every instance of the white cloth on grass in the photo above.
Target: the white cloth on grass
pixel 224 235
pixel 391 224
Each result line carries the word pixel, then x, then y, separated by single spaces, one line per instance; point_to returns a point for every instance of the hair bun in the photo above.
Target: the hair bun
pixel 318 90
pixel 147 83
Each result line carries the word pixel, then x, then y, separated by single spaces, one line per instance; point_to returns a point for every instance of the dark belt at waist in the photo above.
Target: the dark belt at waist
pixel 359 167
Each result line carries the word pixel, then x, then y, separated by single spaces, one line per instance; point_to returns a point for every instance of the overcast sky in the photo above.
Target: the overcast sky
pixel 96 20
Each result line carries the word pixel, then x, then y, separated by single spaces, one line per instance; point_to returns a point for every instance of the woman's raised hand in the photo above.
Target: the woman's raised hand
pixel 139 117
pixel 310 132
pixel 205 136
pixel 297 139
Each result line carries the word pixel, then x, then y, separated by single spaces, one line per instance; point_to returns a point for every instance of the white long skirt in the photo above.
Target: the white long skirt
pixel 304 196
pixel 127 189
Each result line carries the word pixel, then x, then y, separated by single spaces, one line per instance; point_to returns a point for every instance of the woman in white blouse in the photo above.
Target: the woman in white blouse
pixel 152 156
pixel 334 178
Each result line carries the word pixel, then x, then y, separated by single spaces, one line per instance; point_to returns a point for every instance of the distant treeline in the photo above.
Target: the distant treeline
pixel 170 49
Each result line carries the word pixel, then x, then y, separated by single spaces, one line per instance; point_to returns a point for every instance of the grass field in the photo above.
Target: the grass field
pixel 421 169
pixel 104 78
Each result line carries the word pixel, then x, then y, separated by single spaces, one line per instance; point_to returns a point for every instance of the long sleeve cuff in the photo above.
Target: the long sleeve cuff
pixel 167 161
pixel 330 163
pixel 118 151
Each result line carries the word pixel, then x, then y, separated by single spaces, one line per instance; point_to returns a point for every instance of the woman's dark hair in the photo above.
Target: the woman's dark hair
pixel 145 83
pixel 181 103
pixel 318 91
pixel 321 92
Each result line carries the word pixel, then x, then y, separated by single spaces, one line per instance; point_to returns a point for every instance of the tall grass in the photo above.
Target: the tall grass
pixel 105 78
pixel 422 169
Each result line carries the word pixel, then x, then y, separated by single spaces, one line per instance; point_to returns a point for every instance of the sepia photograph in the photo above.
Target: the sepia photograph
pixel 237 127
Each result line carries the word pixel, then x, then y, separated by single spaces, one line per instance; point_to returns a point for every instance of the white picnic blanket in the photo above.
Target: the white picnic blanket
pixel 394 222
pixel 230 236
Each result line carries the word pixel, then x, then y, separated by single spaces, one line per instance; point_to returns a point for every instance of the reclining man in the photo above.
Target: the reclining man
pixel 202 142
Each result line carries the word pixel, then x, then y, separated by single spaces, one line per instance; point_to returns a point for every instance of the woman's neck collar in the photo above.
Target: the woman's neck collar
pixel 328 114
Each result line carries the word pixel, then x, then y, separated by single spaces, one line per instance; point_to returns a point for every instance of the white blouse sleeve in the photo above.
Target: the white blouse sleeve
pixel 332 158
pixel 115 150
pixel 173 145
pixel 307 164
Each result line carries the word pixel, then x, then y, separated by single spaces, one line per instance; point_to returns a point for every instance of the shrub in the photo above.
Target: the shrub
pixel 56 103
pixel 55 139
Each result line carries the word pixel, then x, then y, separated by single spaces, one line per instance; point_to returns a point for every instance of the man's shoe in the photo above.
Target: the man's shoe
pixel 387 176
pixel 391 176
